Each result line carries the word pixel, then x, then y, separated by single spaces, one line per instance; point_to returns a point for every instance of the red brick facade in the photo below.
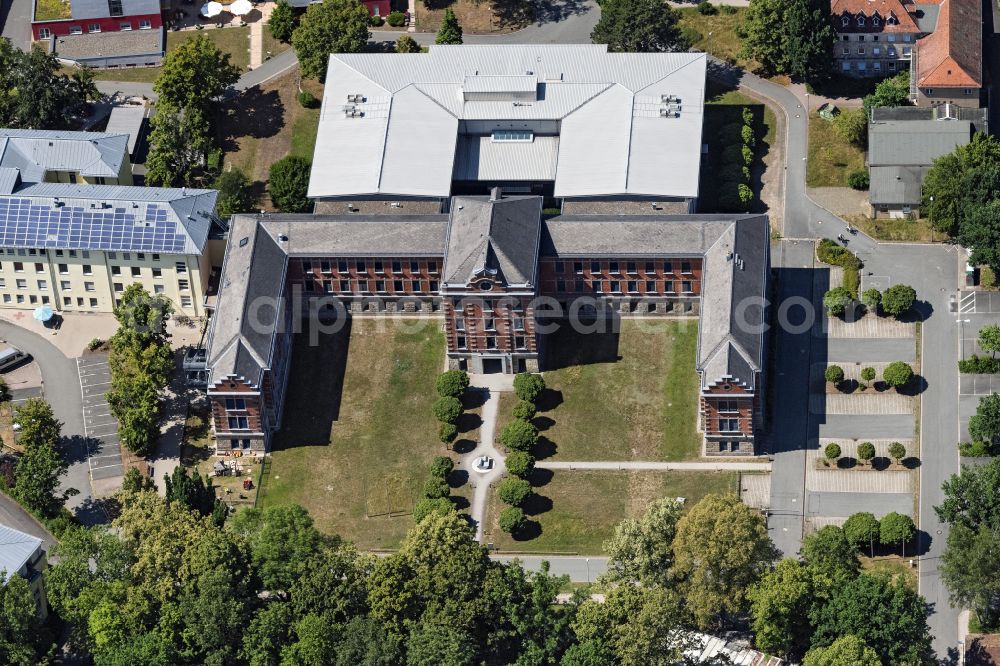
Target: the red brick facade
pixel 401 276
pixel 46 29
pixel 237 416
pixel 674 277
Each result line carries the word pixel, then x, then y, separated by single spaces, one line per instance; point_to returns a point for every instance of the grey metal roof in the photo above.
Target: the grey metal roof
pixel 100 46
pixel 479 158
pixel 915 142
pixel 926 16
pixel 127 120
pixel 33 152
pixel 85 9
pixel 498 237
pixel 107 217
pixel 606 107
pixel 632 235
pixel 897 184
pixel 16 549
pixel 358 236
pixel 10 178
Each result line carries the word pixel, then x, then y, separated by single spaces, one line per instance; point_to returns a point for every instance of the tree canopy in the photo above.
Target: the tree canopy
pixel 961 182
pixel 194 75
pixel 803 48
pixel 642 550
pixel 450 31
pixel 638 26
pixel 288 183
pixel 331 26
pixel 34 94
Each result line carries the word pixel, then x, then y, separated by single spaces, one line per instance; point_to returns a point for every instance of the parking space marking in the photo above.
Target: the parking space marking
pixel 99 427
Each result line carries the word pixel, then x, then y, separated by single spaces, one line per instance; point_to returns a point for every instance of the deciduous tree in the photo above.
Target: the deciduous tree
pixel 761 42
pixel 406 44
pixel 809 41
pixel 642 550
pixel 288 183
pixel 896 528
pixel 984 425
pixel 332 26
pixel 898 299
pixel 515 491
pixel 194 75
pixel 779 607
pixel 20 630
pixel 235 194
pixel 282 21
pixel 720 550
pixel 845 651
pixel 281 538
pixel 828 549
pixel 528 386
pixel 638 26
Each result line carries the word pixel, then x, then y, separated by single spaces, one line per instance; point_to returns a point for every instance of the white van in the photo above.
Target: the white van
pixel 9 357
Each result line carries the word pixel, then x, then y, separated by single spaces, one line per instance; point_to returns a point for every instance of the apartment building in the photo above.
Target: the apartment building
pixel 100 33
pixel 877 37
pixel 481 268
pixel 56 156
pixel 949 61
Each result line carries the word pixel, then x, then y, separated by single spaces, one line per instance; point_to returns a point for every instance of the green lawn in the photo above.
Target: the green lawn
pixel 626 396
pixel 304 128
pixel 894 565
pixel 898 229
pixel 358 433
pixel 831 158
pixel 576 511
pixel 716 33
pixel 48 10
pixel 235 41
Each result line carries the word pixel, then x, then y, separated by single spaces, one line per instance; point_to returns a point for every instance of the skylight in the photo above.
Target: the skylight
pixel 508 136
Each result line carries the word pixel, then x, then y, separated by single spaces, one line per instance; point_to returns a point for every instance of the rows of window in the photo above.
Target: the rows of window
pixel 488 323
pixel 726 406
pixel 653 268
pixel 491 342
pixel 862 67
pixel 657 287
pixel 891 37
pixel 84 254
pixel 877 52
pixel 727 445
pixel 363 287
pixel 369 266
pixel 125 26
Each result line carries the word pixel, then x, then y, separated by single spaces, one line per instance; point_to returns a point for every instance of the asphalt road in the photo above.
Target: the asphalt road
pixel 579 569
pixel 62 391
pixel 15 17
pixel 12 515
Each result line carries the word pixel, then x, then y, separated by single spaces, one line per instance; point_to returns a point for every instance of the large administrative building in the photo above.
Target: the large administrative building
pixel 479 247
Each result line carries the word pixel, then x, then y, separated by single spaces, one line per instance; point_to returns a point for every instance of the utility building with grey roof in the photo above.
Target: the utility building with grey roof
pixel 573 122
pixel 482 268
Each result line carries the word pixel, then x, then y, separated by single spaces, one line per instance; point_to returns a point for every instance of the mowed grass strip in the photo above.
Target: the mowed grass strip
pixel 626 396
pixel 233 40
pixel 717 33
pixel 576 511
pixel 358 434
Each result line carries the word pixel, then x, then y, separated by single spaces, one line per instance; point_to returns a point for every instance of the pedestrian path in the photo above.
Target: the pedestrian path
pixel 721 466
pixel 867 402
pixel 481 481
pixel 257 28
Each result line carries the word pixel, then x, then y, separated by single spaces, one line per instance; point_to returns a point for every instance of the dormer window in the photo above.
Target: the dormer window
pixel 861 21
pixel 875 21
pixel 845 21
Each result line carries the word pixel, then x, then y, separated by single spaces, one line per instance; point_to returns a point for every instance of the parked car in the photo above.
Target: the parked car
pixel 11 357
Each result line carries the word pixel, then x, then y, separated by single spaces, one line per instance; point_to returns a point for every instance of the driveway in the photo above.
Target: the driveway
pixel 12 515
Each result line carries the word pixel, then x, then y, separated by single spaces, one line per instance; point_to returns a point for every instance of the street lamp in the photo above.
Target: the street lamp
pixel 588 570
pixel 961 335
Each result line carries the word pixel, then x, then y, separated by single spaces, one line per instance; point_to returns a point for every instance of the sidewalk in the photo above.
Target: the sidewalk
pixel 167 455
pixel 257 28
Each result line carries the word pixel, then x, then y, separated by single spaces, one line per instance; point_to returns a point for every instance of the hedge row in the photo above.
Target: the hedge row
pixel 979 365
pixel 740 140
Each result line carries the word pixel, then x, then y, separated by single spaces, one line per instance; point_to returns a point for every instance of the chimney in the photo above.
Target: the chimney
pixel 495 194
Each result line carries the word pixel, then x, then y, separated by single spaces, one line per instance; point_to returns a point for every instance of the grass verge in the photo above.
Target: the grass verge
pixel 233 40
pixel 576 511
pixel 716 33
pixel 894 565
pixel 898 229
pixel 358 434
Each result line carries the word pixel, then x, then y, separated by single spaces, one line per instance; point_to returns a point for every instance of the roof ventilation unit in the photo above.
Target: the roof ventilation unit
pixel 355 99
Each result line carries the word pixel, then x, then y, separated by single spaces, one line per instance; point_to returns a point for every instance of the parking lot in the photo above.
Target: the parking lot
pixel 100 428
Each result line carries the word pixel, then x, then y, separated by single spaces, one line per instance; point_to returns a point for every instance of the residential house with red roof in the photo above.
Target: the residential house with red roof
pixel 949 61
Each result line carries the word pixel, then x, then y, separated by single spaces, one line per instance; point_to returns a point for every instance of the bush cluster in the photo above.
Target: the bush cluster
pixel 897 374
pixel 447 409
pixel 396 19
pixel 740 140
pixel 707 8
pixel 979 365
pixel 859 179
pixel 436 491
pixel 830 253
pixel 520 436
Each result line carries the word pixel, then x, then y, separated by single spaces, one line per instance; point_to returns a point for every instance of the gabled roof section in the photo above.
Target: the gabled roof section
pixel 33 152
pixel 107 217
pixel 915 142
pixel 734 289
pixel 884 9
pixel 16 549
pixel 384 113
pixel 496 237
pixel 952 55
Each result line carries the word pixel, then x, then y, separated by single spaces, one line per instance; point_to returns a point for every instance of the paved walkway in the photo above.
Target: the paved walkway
pixel 867 402
pixel 479 481
pixel 721 466
pixel 257 28
pixel 167 455
pixel 579 568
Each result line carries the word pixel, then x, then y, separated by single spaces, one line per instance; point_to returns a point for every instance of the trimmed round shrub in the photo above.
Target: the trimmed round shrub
pixel 895 528
pixel 836 301
pixel 707 8
pixel 745 193
pixel 514 491
pixel 441 466
pixel 447 410
pixel 452 383
pixel 520 463
pixel 448 433
pixel 375 20
pixel 897 451
pixel 396 19
pixel 528 386
pixel 866 451
pixel 747 153
pixel 511 519
pixel 747 135
pixel 898 299
pixel 832 451
pixel 897 374
pixel 861 529
pixel 426 507
pixel 406 44
pixel 872 298
pixel 525 410
pixel 858 179
pixel 436 487
pixel 834 374
pixel 868 374
pixel 308 100
pixel 519 435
